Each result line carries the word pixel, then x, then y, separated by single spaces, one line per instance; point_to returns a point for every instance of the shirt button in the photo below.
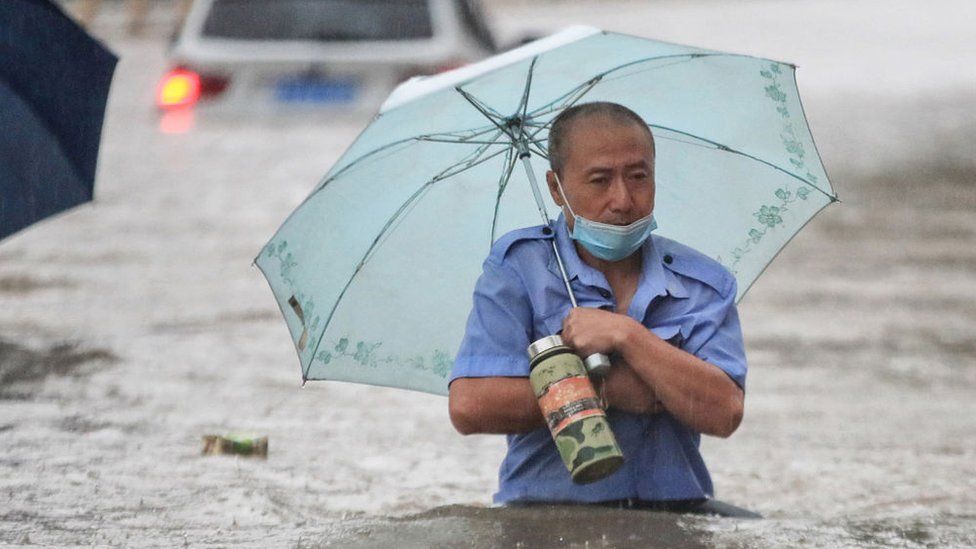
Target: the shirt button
pixel 604 293
pixel 668 259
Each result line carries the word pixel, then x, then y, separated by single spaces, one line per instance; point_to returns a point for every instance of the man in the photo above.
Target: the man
pixel 664 313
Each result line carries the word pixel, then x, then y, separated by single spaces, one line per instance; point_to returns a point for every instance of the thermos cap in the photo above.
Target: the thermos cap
pixel 597 364
pixel 542 345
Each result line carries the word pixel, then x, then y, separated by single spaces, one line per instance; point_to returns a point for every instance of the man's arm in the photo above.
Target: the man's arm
pixel 489 390
pixel 493 405
pixel 507 405
pixel 624 390
pixel 697 393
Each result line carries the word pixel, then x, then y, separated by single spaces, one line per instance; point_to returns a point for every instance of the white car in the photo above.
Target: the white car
pixel 286 55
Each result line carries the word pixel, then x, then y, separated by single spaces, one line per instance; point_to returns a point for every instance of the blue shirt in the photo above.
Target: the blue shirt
pixel 683 297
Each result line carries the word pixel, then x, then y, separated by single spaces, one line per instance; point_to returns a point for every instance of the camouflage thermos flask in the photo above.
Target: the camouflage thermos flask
pixel 572 411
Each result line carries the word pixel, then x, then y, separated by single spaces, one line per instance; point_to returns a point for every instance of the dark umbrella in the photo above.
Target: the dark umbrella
pixel 54 82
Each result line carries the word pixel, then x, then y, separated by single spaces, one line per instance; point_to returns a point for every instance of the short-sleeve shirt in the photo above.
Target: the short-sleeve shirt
pixel 682 296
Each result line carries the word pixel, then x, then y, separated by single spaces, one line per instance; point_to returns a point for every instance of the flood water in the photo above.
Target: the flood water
pixel 131 327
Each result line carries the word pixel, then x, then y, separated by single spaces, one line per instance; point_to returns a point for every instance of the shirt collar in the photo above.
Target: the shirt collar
pixel 575 268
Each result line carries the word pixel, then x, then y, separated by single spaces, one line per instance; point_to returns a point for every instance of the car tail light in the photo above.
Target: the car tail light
pixel 182 87
pixel 179 88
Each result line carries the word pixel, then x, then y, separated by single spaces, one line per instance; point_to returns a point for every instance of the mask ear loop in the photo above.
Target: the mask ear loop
pixel 559 186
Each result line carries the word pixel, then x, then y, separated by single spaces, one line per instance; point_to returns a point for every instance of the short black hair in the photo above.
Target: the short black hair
pixel 563 123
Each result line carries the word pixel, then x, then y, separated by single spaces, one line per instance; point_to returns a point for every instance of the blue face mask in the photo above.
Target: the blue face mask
pixel 605 241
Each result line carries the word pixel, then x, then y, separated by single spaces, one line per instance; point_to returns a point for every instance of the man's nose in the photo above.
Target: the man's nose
pixel 620 199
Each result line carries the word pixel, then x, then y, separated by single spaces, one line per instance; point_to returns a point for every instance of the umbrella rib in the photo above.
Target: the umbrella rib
pixel 690 58
pixel 388 146
pixel 684 142
pixel 510 161
pixel 539 148
pixel 459 168
pixel 574 97
pixel 585 87
pixel 482 109
pixel 524 103
pixel 539 129
pixel 353 163
pixel 536 146
pixel 459 142
pixel 489 112
pixel 473 160
pixel 568 99
pixel 434 137
pixel 464 137
pixel 726 148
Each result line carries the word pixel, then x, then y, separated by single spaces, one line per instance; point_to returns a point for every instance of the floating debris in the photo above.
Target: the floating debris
pixel 236 444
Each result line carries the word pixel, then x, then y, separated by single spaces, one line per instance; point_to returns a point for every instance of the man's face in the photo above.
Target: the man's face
pixel 608 171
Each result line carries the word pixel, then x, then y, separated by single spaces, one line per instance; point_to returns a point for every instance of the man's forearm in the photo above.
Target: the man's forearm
pixel 494 405
pixel 697 393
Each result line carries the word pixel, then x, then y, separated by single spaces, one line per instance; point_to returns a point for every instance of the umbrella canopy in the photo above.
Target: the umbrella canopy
pixel 54 82
pixel 374 271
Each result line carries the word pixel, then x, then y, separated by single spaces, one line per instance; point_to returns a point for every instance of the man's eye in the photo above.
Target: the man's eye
pixel 639 176
pixel 599 180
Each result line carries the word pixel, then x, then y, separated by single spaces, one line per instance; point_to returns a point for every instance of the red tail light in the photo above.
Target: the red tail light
pixel 179 88
pixel 183 87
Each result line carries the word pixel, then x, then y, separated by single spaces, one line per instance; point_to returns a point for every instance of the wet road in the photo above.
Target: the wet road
pixel 134 326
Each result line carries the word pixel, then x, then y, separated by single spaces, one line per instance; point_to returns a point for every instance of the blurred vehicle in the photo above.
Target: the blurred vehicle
pixel 300 54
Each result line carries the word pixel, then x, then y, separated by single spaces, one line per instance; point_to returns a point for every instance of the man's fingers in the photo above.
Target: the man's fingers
pixel 587 331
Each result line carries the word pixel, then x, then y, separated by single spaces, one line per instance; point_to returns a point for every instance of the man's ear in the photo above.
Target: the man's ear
pixel 553 189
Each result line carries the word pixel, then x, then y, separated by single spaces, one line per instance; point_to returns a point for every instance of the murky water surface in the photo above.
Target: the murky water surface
pixel 132 327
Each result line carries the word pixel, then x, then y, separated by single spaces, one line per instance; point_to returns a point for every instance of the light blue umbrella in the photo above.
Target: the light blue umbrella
pixel 374 271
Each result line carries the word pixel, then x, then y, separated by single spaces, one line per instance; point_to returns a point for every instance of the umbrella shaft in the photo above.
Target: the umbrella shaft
pixel 562 271
pixel 524 156
pixel 539 202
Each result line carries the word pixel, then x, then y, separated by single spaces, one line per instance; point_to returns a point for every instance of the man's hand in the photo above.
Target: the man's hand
pixel 625 391
pixel 589 331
